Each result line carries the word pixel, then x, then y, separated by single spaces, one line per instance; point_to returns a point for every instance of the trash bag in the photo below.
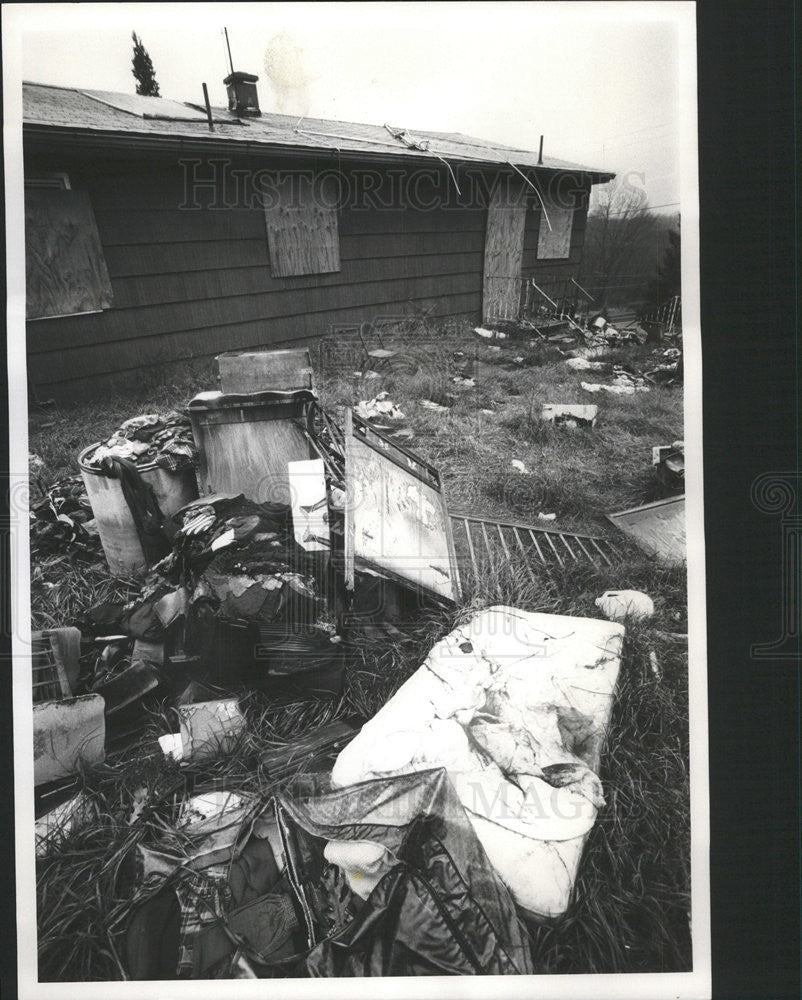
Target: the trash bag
pixel 437 908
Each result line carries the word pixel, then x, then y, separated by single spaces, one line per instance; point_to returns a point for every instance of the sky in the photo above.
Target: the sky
pixel 598 81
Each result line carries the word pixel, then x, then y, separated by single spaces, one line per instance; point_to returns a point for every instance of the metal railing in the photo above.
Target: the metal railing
pixel 549 302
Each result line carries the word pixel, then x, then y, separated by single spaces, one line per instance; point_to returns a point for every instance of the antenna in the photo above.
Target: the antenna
pixel 230 61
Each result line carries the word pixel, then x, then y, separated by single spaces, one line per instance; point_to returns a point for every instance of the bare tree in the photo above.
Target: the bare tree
pixel 622 244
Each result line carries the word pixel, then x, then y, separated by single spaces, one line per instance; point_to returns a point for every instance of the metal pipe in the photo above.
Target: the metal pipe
pixel 208 107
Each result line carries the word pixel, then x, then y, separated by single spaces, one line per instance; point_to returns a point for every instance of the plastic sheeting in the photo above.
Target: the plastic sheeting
pixel 438 908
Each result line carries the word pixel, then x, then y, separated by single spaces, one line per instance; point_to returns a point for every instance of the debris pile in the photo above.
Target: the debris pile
pixel 163 440
pixel 349 853
pixel 62 521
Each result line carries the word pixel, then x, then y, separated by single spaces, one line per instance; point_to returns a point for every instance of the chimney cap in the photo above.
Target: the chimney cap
pixel 239 77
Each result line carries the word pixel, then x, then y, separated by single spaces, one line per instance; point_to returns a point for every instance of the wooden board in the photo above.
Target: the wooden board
pixel 658 528
pixel 255 371
pixel 555 243
pixel 504 248
pixel 396 520
pixel 302 231
pixel 64 264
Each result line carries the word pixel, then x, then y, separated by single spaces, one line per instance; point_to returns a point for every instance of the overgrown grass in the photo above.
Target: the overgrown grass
pixel 630 908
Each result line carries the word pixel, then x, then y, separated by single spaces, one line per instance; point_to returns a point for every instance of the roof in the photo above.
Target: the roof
pixel 131 117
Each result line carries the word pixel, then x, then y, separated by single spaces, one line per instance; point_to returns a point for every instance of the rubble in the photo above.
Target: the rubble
pixel 571 416
pixel 472 790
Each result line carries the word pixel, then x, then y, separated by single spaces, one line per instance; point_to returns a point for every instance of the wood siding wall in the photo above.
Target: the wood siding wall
pixel 191 283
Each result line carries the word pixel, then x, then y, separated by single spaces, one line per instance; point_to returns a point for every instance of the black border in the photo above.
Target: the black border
pixel 748 196
pixel 750 342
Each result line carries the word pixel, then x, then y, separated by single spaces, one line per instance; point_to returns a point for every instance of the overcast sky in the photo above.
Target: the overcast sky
pixel 599 81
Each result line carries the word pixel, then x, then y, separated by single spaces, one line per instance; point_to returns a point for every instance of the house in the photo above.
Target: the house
pixel 158 231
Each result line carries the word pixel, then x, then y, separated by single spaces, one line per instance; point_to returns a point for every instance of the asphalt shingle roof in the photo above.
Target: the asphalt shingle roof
pixel 103 112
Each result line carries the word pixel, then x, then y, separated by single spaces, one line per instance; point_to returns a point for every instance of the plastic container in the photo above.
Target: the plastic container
pixel 115 522
pixel 67 734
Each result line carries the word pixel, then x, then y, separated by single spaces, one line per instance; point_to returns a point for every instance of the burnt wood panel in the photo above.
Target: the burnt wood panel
pixel 302 233
pixel 64 265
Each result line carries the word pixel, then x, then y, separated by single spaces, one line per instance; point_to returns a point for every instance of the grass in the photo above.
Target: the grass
pixel 630 911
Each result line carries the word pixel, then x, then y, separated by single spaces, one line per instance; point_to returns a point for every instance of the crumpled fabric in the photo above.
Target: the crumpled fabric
pixel 439 909
pixel 163 439
pixel 58 518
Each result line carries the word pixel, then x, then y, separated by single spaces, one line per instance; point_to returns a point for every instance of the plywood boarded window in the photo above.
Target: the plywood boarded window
pixel 504 250
pixel 65 269
pixel 555 243
pixel 302 230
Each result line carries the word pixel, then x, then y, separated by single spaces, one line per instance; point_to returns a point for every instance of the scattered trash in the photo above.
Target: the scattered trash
pixel 658 528
pixel 669 461
pixel 490 334
pixel 669 368
pixel 617 605
pixel 62 521
pixel 419 917
pixel 55 826
pixel 519 466
pixel 654 664
pixel 514 704
pixel 488 413
pixel 66 735
pixel 465 383
pixel 55 666
pixel 582 364
pixel 574 415
pixel 381 408
pixel 383 414
pixel 546 517
pixel 172 745
pixel 428 404
pixel 210 728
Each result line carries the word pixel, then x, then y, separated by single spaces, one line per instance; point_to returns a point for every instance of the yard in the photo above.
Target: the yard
pixel 631 909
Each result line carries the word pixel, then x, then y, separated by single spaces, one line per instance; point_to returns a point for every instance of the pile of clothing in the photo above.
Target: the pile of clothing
pixel 237 589
pixel 163 440
pixel 62 521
